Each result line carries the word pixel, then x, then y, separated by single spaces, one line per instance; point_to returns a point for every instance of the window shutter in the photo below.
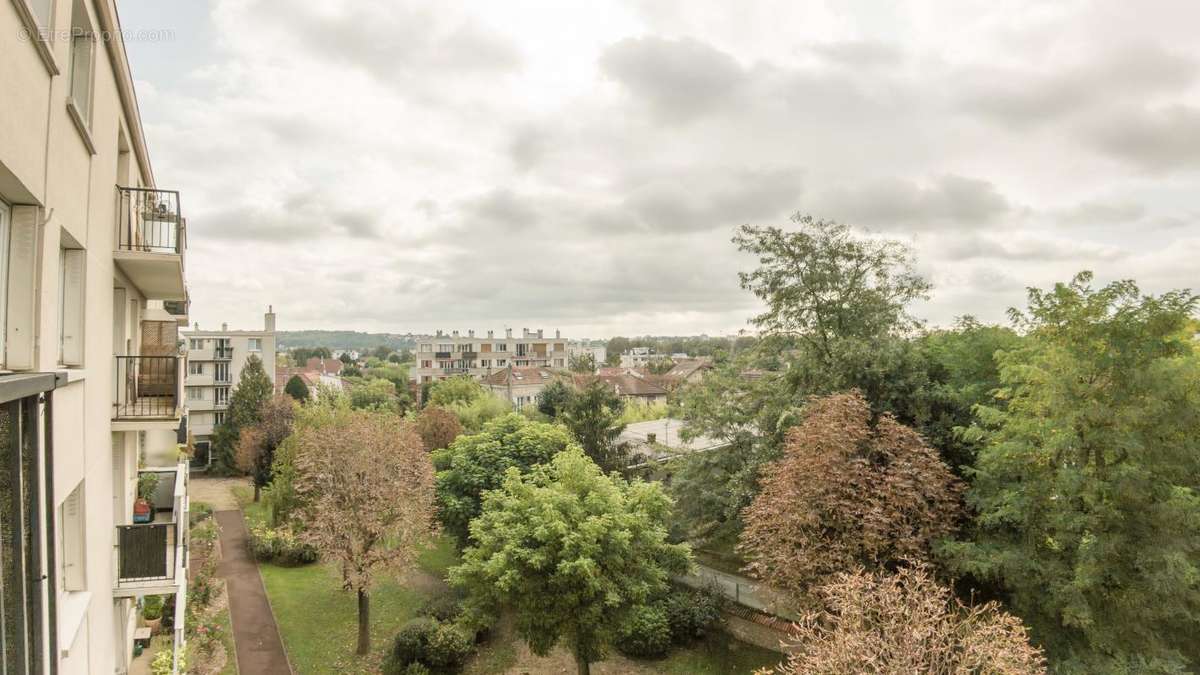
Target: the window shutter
pixel 22 289
pixel 72 307
pixel 72 542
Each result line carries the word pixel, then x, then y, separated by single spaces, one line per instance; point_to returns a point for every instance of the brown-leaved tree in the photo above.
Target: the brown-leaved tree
pixel 849 491
pixel 896 624
pixel 365 484
pixel 255 452
pixel 437 427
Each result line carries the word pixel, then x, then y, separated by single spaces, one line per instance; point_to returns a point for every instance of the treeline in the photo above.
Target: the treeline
pixel 701 345
pixel 342 339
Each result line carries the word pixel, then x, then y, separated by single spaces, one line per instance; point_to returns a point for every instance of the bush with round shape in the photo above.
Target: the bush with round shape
pixel 448 648
pixel 409 644
pixel 692 613
pixel 436 646
pixel 646 633
pixel 442 607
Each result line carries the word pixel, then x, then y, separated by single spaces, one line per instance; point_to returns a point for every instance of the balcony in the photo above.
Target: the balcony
pixel 468 356
pixel 223 353
pixel 148 388
pixel 151 558
pixel 151 242
pixel 441 355
pixel 179 309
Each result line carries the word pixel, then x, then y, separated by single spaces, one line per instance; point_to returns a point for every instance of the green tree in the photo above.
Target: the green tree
pixel 582 363
pixel 248 396
pixel 476 463
pixel 660 366
pixel 460 388
pixel 374 395
pixel 381 352
pixel 1085 488
pixel 345 358
pixel 571 551
pixel 553 398
pixel 593 416
pixel 257 444
pixel 296 388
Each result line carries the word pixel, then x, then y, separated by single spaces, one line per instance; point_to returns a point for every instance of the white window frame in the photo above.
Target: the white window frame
pixel 221 396
pixel 195 393
pixel 72 537
pixel 71 306
pixel 196 344
pixel 81 89
pixel 195 368
pixel 255 344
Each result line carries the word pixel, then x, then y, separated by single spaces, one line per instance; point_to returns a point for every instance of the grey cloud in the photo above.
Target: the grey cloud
pixel 300 215
pixel 681 202
pixel 1039 95
pixel 858 53
pixel 529 144
pixel 953 200
pixel 1102 213
pixel 500 207
pixel 1154 140
pixel 679 79
pixel 1026 247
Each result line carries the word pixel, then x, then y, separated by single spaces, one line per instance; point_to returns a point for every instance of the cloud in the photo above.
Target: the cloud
pixel 1154 140
pixel 682 202
pixel 1102 213
pixel 680 80
pixel 1029 247
pixel 952 200
pixel 858 53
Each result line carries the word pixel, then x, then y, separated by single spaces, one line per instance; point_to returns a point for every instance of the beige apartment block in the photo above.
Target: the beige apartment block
pixel 442 356
pixel 92 291
pixel 215 362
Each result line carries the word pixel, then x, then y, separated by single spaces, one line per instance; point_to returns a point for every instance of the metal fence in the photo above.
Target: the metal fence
pixel 147 386
pixel 150 221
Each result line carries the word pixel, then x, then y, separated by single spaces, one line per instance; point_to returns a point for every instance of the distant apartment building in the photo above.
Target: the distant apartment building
pixel 215 362
pixel 598 352
pixel 637 357
pixel 92 291
pixel 441 356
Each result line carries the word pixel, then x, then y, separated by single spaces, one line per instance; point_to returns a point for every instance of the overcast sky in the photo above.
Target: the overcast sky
pixel 391 166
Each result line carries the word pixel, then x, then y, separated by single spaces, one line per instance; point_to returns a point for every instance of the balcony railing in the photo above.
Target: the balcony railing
pixel 441 355
pixel 153 555
pixel 147 386
pixel 150 221
pixel 223 353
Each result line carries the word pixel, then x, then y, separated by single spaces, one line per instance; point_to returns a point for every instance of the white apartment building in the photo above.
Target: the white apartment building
pixel 441 356
pixel 599 353
pixel 92 290
pixel 636 357
pixel 215 362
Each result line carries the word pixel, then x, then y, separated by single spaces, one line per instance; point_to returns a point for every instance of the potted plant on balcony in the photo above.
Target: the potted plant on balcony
pixel 152 611
pixel 143 506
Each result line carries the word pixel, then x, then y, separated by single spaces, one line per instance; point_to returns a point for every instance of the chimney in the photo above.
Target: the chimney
pixel 224 327
pixel 490 334
pixel 471 333
pixel 557 333
pixel 539 333
pixel 439 333
pixel 508 332
pixel 269 319
pixel 196 326
pixel 455 333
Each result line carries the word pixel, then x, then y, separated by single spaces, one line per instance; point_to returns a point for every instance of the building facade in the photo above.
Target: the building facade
pixel 215 362
pixel 637 357
pixel 92 291
pixel 441 356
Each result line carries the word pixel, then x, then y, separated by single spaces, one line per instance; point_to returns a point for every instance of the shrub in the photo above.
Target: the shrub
pixel 280 545
pixel 443 607
pixel 645 633
pixel 199 511
pixel 152 607
pixel 428 643
pixel 416 668
pixel 692 613
pixel 161 665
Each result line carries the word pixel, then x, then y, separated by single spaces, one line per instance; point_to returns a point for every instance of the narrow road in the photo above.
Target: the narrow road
pixel 259 648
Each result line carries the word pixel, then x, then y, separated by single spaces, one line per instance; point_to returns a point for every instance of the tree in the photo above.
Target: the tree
pixel 345 358
pixel 460 388
pixel 248 396
pixel 1085 487
pixel 301 355
pixel 474 464
pixel 554 398
pixel 592 415
pixel 896 624
pixel 296 388
pixel 257 443
pixel 571 551
pixel 437 427
pixel 582 363
pixel 660 366
pixel 847 493
pixel 374 395
pixel 381 352
pixel 365 488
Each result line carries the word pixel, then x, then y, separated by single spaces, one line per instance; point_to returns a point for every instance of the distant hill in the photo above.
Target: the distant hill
pixel 342 339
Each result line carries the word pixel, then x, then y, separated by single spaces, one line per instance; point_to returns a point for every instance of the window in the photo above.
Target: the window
pixel 221 395
pixel 196 343
pixel 70 305
pixel 255 344
pixel 195 368
pixel 501 362
pixel 218 418
pixel 445 347
pixel 427 364
pixel 558 363
pixel 83 46
pixel 221 372
pixel 501 347
pixel 426 347
pixel 485 363
pixel 24 526
pixel 195 393
pixel 41 12
pixel 5 215
pixel 73 567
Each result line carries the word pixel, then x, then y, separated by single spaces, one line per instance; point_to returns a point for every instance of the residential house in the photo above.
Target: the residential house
pixel 442 356
pixel 659 440
pixel 519 386
pixel 92 291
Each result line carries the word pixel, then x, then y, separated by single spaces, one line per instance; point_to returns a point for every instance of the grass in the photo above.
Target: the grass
pixel 227 640
pixel 439 557
pixel 719 654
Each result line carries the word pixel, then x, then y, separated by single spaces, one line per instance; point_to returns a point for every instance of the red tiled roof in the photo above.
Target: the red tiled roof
pixel 326 366
pixel 522 375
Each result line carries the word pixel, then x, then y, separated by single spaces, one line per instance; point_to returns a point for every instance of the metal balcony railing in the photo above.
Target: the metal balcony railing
pixel 150 221
pixel 155 553
pixel 441 355
pixel 147 386
pixel 223 353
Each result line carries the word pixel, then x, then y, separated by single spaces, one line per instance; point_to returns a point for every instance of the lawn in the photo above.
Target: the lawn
pixel 718 655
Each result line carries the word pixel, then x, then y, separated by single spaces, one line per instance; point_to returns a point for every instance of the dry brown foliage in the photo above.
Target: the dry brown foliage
pixel 366 484
pixel 847 494
pixel 255 451
pixel 902 623
pixel 438 427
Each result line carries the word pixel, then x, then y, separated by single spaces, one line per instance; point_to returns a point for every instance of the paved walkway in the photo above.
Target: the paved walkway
pixel 259 648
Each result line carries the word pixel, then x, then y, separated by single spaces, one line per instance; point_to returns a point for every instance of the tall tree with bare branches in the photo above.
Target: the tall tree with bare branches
pixel 848 492
pixel 365 485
